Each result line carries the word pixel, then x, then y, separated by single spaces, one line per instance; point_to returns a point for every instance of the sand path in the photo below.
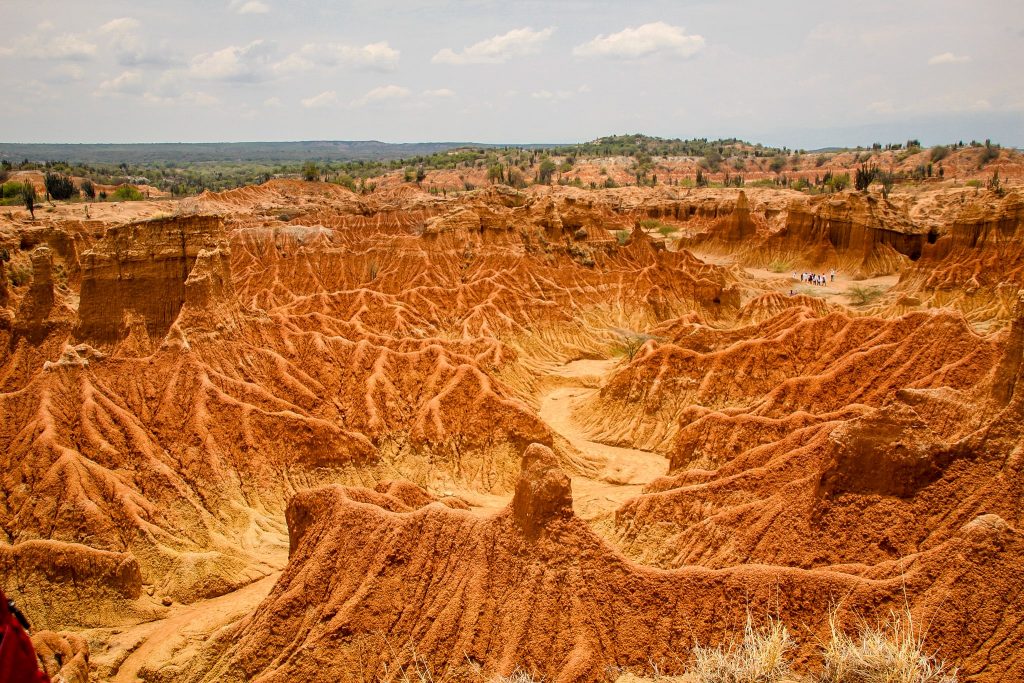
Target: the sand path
pixel 626 470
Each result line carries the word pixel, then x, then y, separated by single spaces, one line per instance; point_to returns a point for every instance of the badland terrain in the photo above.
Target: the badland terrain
pixel 520 417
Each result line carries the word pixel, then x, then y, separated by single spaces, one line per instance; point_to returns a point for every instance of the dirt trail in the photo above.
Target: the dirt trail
pixel 159 642
pixel 627 470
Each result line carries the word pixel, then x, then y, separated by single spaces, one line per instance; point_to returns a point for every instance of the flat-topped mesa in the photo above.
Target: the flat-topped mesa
pixel 140 270
pixel 543 491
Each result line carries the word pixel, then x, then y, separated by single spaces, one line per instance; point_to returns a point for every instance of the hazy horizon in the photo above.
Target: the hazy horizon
pixel 528 73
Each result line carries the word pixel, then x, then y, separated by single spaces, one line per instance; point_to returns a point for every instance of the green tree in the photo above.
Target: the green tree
pixel 310 171
pixel 58 186
pixel 547 170
pixel 28 196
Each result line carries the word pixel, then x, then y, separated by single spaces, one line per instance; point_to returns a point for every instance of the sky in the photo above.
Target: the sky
pixel 781 72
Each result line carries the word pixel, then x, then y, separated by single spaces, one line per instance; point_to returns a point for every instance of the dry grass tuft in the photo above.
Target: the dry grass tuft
pixel 518 676
pixel 762 657
pixel 893 653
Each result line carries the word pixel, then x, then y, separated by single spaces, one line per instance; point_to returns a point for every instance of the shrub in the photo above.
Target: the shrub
pixel 938 153
pixel 974 182
pixel 59 186
pixel 28 196
pixel 310 171
pixel 989 152
pixel 88 189
pixel 865 176
pixel 861 295
pixel 778 163
pixel 994 184
pixel 546 170
pixel 890 653
pixel 779 266
pixel 127 193
pixel 11 189
pixel 629 344
pixel 761 656
pixel 622 236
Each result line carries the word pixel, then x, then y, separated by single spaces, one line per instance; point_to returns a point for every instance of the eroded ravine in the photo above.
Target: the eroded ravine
pixel 626 470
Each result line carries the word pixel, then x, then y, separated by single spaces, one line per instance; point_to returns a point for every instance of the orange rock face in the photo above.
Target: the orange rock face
pixel 348 389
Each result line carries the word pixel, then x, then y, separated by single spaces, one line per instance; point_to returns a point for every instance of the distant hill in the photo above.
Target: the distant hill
pixel 242 152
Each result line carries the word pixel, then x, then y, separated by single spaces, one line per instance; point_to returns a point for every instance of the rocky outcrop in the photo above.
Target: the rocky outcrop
pixel 138 271
pixel 371 585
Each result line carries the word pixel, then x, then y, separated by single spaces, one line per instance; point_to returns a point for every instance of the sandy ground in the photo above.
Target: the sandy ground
pixel 119 654
pixel 835 292
pixel 626 471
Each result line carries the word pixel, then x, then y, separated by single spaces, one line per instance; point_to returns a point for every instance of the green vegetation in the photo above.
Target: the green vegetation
pixel 185 169
pixel 126 193
pixel 58 186
pixel 938 153
pixel 28 197
pixel 862 295
pixel 865 176
pixel 622 236
pixel 87 189
pixel 779 266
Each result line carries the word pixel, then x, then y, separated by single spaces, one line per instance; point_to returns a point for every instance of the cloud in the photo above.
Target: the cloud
pixel 948 58
pixel 559 95
pixel 440 92
pixel 382 94
pixel 249 7
pixel 327 98
pixel 515 43
pixel 127 83
pixel 273 102
pixel 66 46
pixel 130 49
pixel 246 64
pixel 657 38
pixel 378 56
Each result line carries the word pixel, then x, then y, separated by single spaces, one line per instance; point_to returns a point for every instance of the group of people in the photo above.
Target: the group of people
pixel 817 278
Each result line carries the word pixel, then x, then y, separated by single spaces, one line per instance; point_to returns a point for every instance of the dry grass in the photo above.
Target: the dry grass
pixel 518 676
pixel 893 653
pixel 762 656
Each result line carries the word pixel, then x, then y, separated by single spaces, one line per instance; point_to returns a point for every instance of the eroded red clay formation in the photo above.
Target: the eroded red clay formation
pixel 169 388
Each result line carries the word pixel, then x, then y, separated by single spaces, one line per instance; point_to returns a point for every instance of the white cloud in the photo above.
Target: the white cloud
pixel 379 56
pixel 65 46
pixel 130 49
pixel 249 7
pixel 248 63
pixel 948 58
pixel 657 38
pixel 559 95
pixel 127 83
pixel 273 102
pixel 327 98
pixel 515 43
pixel 440 92
pixel 383 94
